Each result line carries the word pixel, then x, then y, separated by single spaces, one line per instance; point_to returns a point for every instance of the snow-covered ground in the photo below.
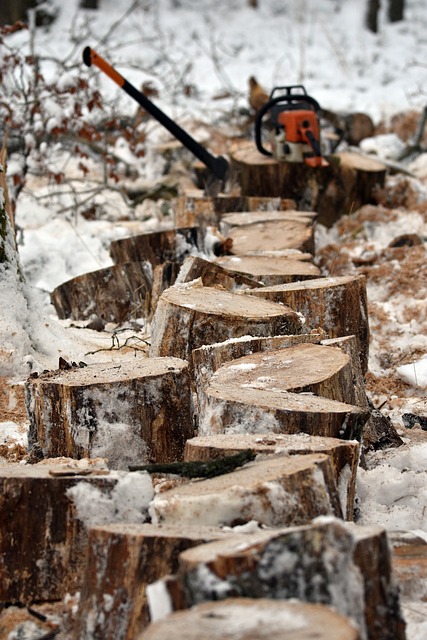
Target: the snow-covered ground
pixel 199 54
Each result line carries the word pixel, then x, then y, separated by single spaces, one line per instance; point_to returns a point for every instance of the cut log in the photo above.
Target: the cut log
pixel 194 207
pixel 274 392
pixel 113 604
pixel 344 455
pixel 115 294
pixel 338 305
pixel 248 619
pixel 272 269
pixel 272 235
pixel 44 533
pixel 242 218
pixel 164 276
pixel 213 274
pixel 344 186
pixel 329 562
pixel 278 491
pixel 191 315
pixel 132 413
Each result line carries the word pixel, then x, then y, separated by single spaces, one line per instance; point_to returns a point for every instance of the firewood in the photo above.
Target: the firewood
pixel 190 315
pixel 344 454
pixel 272 269
pixel 212 274
pixel 272 235
pixel 250 619
pixel 341 565
pixel 134 412
pixel 278 491
pixel 115 293
pixel 338 305
pixel 240 218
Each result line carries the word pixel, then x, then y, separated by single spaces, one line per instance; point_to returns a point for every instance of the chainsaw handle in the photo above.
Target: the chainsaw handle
pixel 271 103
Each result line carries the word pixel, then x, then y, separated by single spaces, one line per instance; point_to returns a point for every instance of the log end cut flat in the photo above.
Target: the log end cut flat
pixel 271 270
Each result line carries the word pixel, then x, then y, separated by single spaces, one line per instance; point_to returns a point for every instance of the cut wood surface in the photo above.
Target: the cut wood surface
pixel 274 392
pixel 344 454
pixel 113 603
pixel 271 269
pixel 344 186
pixel 248 619
pixel 278 491
pixel 42 542
pixel 212 274
pixel 115 293
pixel 134 412
pixel 191 315
pixel 338 564
pixel 242 218
pixel 336 304
pixel 272 235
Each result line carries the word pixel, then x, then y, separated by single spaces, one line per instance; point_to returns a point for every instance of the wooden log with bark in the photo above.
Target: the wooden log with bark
pixel 273 269
pixel 305 388
pixel 191 315
pixel 278 491
pixel 113 604
pixel 45 510
pixel 253 619
pixel 133 412
pixel 344 186
pixel 337 304
pixel 342 565
pixel 344 455
pixel 115 293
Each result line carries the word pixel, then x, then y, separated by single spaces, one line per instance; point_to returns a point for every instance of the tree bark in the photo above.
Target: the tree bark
pixel 344 455
pixel 277 492
pixel 136 412
pixel 250 619
pixel 191 315
pixel 271 269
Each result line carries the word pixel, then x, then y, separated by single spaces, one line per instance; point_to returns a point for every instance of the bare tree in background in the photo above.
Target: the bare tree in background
pixel 395 10
pixel 395 13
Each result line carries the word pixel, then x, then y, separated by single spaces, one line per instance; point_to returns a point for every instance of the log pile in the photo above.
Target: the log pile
pixel 242 429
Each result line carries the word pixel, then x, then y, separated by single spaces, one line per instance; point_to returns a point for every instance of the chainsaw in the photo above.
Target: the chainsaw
pixel 294 127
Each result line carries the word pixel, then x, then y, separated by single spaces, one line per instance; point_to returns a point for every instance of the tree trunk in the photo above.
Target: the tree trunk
pixel 371 19
pixel 338 305
pixel 297 563
pixel 132 413
pixel 271 269
pixel 250 619
pixel 191 315
pixel 13 10
pixel 277 492
pixel 344 455
pixel 396 10
pixel 306 388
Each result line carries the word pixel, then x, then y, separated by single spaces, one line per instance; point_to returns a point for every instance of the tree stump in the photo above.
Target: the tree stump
pixel 249 619
pixel 212 274
pixel 344 455
pixel 329 562
pixel 271 269
pixel 306 388
pixel 43 541
pixel 344 186
pixel 194 207
pixel 272 235
pixel 132 412
pixel 243 218
pixel 190 315
pixel 278 491
pixel 115 294
pixel 409 561
pixel 338 305
pixel 113 604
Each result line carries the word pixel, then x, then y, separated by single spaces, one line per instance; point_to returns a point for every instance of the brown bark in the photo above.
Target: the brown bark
pixel 332 191
pixel 249 619
pixel 297 563
pixel 344 455
pixel 144 554
pixel 190 315
pixel 338 305
pixel 272 269
pixel 43 543
pixel 136 412
pixel 277 492
pixel 114 294
pixel 306 388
